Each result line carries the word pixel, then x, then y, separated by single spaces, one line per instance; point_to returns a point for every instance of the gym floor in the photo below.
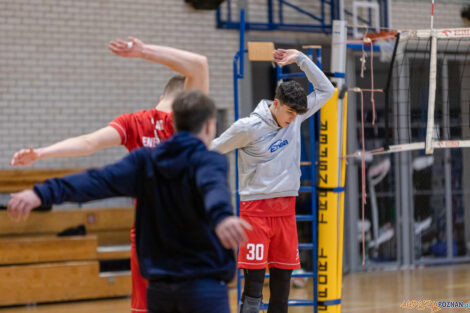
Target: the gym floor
pixel 384 292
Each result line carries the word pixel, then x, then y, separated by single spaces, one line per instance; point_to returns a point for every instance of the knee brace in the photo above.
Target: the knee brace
pixel 250 305
pixel 254 280
pixel 252 291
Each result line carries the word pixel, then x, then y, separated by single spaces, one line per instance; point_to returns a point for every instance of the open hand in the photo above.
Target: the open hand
pixel 132 48
pixel 231 233
pixel 21 204
pixel 24 157
pixel 285 57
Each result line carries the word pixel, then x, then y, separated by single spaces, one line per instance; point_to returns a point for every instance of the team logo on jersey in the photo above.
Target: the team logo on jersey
pixel 150 142
pixel 278 144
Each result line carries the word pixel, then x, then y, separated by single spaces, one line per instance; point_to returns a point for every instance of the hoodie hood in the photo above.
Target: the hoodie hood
pixel 173 158
pixel 262 111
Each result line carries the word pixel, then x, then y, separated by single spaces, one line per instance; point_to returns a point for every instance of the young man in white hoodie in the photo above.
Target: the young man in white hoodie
pixel 269 172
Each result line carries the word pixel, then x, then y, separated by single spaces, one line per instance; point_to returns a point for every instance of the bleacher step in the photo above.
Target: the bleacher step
pixel 50 282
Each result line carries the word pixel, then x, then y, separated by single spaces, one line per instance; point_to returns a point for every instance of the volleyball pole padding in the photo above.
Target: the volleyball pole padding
pixel 331 180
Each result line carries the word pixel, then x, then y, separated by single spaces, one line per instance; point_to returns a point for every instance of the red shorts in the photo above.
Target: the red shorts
pixel 139 284
pixel 272 242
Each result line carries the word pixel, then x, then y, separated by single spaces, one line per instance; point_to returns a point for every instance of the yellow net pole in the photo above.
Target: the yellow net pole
pixel 331 203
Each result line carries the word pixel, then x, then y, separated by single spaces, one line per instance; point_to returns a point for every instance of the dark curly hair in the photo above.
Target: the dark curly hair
pixel 293 95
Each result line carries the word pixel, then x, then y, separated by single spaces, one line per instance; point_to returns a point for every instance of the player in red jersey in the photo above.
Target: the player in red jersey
pixel 146 128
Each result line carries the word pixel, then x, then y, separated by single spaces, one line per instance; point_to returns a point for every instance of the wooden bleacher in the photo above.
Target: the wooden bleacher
pixel 38 266
pixel 17 180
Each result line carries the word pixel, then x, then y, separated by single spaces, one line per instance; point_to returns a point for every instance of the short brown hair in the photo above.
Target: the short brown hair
pixel 191 109
pixel 174 86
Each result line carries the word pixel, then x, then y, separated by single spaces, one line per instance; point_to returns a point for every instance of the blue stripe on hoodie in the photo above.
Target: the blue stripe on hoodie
pixel 182 194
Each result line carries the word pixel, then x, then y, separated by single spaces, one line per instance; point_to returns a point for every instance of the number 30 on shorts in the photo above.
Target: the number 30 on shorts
pixel 255 252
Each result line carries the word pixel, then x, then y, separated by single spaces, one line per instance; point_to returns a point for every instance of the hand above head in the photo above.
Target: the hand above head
pixel 25 157
pixel 21 204
pixel 132 48
pixel 285 57
pixel 231 233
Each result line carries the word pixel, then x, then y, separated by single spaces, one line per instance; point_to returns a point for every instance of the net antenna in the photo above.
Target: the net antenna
pixel 432 88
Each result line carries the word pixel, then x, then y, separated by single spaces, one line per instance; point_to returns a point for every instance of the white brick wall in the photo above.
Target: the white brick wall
pixel 58 78
pixel 415 14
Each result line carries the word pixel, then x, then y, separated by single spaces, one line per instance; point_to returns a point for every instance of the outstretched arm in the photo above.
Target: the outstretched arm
pixel 238 135
pixel 71 147
pixel 191 65
pixel 118 179
pixel 323 87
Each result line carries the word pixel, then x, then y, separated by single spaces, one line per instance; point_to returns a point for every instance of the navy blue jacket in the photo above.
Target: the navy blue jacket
pixel 182 194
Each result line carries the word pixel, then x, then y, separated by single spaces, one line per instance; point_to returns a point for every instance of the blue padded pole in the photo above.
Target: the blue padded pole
pixel 229 11
pixel 238 73
pixel 270 14
pixel 279 73
pixel 242 46
pixel 235 107
pixel 314 194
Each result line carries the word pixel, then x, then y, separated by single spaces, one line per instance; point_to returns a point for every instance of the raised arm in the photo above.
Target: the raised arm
pixel 118 179
pixel 191 65
pixel 71 147
pixel 322 85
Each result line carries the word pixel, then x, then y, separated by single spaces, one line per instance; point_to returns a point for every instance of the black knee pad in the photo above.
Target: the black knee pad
pixel 254 280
